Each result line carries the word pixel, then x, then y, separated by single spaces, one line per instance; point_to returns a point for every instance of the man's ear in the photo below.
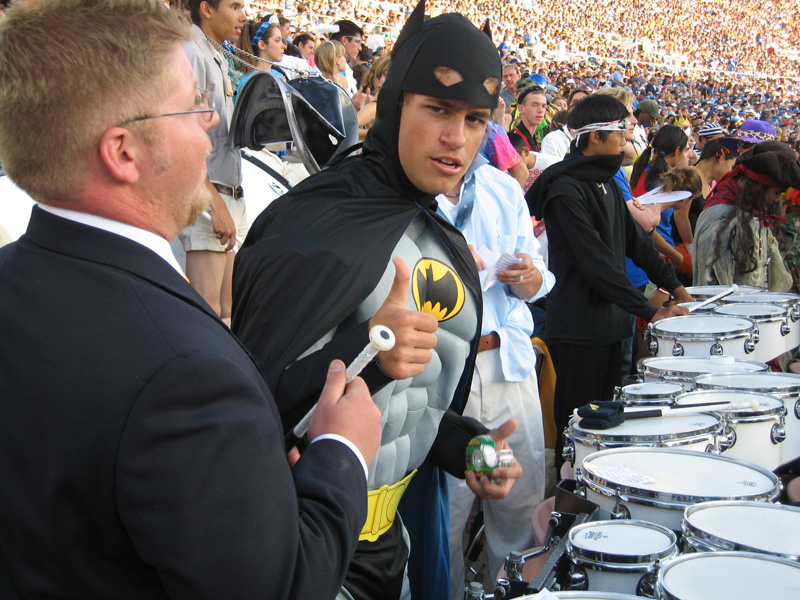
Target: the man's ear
pixel 121 154
pixel 205 10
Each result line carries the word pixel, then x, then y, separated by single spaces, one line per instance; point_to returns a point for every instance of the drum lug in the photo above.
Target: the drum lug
pixel 650 339
pixel 797 409
pixel 749 345
pixel 756 335
pixel 568 450
pixel 785 329
pixel 579 489
pixel 794 314
pixel 716 349
pixel 677 349
pixel 620 512
pixel 578 580
pixel 568 454
pixel 727 439
pixel 617 394
pixel 647 585
pixel 777 434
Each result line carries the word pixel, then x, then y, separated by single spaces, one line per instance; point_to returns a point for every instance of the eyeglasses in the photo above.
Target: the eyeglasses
pixel 353 38
pixel 203 99
pixel 745 145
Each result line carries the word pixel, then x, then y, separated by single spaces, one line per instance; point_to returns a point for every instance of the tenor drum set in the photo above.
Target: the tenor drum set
pixel 686 505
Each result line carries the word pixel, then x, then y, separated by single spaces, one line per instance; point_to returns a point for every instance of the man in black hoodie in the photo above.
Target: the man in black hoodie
pixel 331 258
pixel 590 232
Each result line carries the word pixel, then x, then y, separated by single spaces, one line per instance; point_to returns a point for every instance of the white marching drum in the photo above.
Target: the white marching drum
pixel 772 326
pixel 698 431
pixel 754 433
pixel 744 527
pixel 728 576
pixel 704 292
pixel 683 369
pixel 618 556
pixel 791 302
pixel 657 484
pixel 649 393
pixel 702 335
pixel 785 386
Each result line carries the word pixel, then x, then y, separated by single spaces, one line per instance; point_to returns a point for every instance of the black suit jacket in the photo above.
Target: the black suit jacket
pixel 141 453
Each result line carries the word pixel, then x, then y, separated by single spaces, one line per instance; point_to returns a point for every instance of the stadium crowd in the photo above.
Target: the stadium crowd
pixel 707 60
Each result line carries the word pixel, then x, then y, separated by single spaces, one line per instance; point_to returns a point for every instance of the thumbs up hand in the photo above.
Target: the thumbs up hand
pixel 414 332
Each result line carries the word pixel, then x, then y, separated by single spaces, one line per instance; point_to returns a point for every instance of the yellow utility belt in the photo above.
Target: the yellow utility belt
pixel 382 508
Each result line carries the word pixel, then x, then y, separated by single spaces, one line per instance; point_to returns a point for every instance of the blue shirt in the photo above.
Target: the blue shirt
pixel 500 220
pixel 636 275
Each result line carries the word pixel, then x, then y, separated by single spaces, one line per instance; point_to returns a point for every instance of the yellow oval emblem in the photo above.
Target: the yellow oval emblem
pixel 437 289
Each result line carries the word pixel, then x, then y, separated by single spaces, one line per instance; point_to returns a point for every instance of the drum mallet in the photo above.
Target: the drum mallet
pixel 731 290
pixel 381 339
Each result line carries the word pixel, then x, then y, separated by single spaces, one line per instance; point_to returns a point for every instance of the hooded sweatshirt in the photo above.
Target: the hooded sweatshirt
pixel 591 231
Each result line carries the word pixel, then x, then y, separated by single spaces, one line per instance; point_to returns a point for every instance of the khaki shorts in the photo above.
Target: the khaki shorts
pixel 201 236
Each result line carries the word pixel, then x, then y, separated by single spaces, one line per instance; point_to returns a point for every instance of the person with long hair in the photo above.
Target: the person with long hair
pixel 331 60
pixel 667 151
pixel 372 83
pixel 266 43
pixel 735 239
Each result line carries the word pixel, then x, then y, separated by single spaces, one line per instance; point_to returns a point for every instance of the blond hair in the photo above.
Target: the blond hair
pixel 617 93
pixel 70 70
pixel 326 54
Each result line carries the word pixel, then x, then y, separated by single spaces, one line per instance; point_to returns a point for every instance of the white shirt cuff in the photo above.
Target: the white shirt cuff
pixel 349 444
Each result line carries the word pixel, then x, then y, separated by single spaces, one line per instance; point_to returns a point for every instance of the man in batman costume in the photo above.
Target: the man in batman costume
pixel 313 276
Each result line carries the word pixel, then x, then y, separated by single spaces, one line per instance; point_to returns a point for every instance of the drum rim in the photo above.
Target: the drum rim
pixel 652 396
pixel 733 415
pixel 610 561
pixel 694 532
pixel 787 297
pixel 664 593
pixel 662 374
pixel 765 317
pixel 685 436
pixel 728 334
pixel 743 289
pixel 791 391
pixel 665 499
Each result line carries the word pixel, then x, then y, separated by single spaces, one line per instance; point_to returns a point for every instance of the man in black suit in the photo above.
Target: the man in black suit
pixel 141 454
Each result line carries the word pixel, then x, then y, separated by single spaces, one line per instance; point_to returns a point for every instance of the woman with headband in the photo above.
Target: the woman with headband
pixel 735 240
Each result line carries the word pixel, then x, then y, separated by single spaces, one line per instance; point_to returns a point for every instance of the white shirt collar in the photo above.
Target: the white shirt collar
pixel 146 238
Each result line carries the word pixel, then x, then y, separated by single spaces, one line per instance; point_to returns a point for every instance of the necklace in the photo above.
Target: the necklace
pixel 450 195
pixel 242 62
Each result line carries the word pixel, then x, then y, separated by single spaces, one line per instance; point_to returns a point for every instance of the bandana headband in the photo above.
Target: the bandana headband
pixel 261 29
pixel 618 125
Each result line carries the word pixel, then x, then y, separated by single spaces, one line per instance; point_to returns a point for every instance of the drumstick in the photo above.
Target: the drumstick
pixel 688 409
pixel 380 339
pixel 731 290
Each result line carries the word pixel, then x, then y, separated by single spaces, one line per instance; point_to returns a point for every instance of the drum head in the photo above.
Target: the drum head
pixel 687 367
pixel 621 542
pixel 729 575
pixel 781 298
pixel 765 405
pixel 653 429
pixel 703 292
pixel 702 325
pixel 777 384
pixel 746 526
pixel 751 311
pixel 650 391
pixel 669 474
